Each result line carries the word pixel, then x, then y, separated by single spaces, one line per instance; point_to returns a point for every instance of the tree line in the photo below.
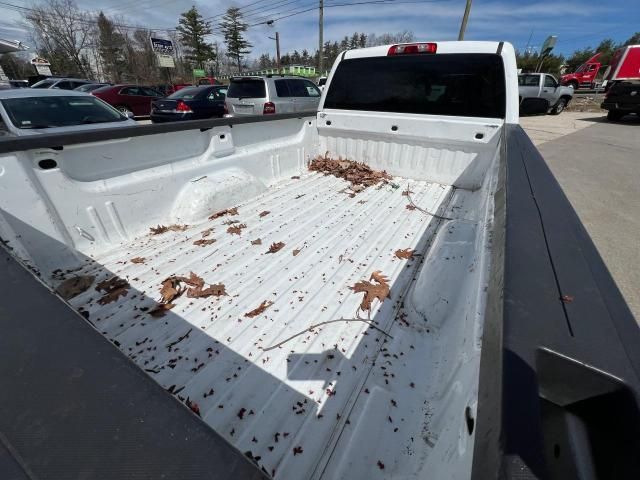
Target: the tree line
pixel 555 63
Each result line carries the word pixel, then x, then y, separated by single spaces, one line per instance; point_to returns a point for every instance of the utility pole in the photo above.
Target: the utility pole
pixel 277 39
pixel 320 40
pixel 465 19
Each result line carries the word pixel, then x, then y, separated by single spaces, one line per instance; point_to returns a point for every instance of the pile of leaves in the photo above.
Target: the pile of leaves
pixel 379 289
pixel 163 229
pixel 194 286
pixel 358 174
pixel 113 288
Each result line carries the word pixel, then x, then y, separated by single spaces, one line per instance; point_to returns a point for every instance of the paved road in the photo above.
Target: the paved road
pixel 599 170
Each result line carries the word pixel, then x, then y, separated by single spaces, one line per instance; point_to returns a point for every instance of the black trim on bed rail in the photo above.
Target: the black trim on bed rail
pixel 58 140
pixel 559 390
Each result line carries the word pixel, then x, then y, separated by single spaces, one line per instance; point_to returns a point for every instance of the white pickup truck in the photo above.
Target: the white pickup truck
pixel 391 287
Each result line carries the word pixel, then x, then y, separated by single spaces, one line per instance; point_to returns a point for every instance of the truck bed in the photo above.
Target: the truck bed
pixel 301 394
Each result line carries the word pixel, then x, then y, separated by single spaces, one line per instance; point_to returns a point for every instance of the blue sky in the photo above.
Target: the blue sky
pixel 578 23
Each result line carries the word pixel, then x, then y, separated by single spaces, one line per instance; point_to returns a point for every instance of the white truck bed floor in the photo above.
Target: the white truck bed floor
pixel 290 406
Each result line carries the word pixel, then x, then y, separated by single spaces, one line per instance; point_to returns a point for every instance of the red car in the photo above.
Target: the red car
pixel 129 98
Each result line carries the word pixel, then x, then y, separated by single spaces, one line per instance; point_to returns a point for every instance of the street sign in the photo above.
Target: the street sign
pixel 162 45
pixel 198 72
pixel 548 45
pixel 42 65
pixel 165 61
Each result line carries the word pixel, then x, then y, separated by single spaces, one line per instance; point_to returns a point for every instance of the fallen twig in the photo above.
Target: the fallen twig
pixel 407 193
pixel 312 327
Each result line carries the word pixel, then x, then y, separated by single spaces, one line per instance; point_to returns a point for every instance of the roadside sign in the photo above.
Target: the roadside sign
pixel 42 65
pixel 163 49
pixel 161 45
pixel 165 61
pixel 198 72
pixel 548 45
pixel 3 76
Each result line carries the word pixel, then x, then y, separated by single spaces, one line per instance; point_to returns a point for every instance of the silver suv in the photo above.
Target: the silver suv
pixel 270 94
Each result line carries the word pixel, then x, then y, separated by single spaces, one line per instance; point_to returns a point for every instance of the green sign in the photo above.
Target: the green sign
pixel 197 72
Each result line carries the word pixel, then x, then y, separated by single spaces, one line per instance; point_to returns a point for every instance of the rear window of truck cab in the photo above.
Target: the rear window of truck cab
pixel 247 88
pixel 468 85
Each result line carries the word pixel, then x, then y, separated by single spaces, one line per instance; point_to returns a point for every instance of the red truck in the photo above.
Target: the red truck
pixel 622 82
pixel 585 74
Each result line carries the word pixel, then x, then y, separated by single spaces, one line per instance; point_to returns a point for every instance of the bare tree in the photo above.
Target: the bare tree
pixel 62 33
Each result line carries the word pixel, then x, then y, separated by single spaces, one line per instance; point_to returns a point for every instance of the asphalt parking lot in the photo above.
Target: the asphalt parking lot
pixel 598 165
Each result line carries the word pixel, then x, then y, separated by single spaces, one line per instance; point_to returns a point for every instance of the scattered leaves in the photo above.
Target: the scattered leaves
pixel 222 213
pixel 163 229
pixel 275 247
pixel 407 253
pixel 137 260
pixel 204 241
pixel 216 290
pixel 264 213
pixel 74 286
pixel 257 241
pixel 358 174
pixel 379 289
pixel 236 229
pixel 113 288
pixel 172 288
pixel 261 308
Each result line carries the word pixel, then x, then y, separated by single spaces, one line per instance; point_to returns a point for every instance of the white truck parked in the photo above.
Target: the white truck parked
pixel 542 93
pixel 393 286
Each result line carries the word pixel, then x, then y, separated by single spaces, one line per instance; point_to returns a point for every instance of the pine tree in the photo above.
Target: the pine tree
pixel 192 29
pixel 233 28
pixel 111 47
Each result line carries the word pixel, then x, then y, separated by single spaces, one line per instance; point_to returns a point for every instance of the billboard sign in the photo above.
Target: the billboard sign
pixel 198 72
pixel 548 45
pixel 161 45
pixel 42 65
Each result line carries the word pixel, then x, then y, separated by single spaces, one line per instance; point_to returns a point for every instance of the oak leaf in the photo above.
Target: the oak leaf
pixel 407 253
pixel 275 247
pixel 207 232
pixel 257 241
pixel 410 207
pixel 114 288
pixel 236 229
pixel 215 290
pixel 204 241
pixel 378 290
pixel 264 213
pixel 137 260
pixel 222 213
pixel 296 252
pixel 161 309
pixel 257 311
pixel 74 286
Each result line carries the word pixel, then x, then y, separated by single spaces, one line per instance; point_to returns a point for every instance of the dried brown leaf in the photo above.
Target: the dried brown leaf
pixel 207 232
pixel 215 290
pixel 114 288
pixel 236 229
pixel 261 308
pixel 230 222
pixel 204 241
pixel 378 290
pixel 295 177
pixel 264 213
pixel 406 193
pixel 275 247
pixel 192 280
pixel 137 260
pixel 257 241
pixel 170 290
pixel 163 229
pixel 407 253
pixel 296 252
pixel 74 286
pixel 222 213
pixel 160 309
pixel 410 207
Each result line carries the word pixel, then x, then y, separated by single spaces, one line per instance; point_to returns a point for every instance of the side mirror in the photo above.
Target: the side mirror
pixel 129 114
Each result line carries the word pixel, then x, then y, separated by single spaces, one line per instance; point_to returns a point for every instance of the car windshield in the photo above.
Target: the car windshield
pixel 48 112
pixel 43 84
pixel 469 85
pixel 186 93
pixel 247 88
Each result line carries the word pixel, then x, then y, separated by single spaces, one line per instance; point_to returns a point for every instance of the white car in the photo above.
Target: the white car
pixel 25 111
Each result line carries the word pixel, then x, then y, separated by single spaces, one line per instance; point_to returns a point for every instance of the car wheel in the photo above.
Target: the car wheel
pixel 574 84
pixel 614 115
pixel 559 107
pixel 124 109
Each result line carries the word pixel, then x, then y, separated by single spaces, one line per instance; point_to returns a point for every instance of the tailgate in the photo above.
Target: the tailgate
pixel 624 92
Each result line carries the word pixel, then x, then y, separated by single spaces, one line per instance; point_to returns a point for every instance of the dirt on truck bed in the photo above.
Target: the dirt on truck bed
pixel 250 318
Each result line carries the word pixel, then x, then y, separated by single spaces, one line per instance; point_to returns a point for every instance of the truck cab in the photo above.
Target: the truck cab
pixel 585 75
